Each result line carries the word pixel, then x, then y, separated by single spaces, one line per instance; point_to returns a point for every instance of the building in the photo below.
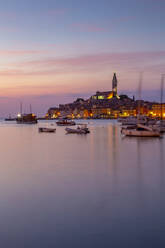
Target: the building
pixel 158 110
pixel 105 95
pixel 53 113
pixel 114 85
pixel 107 104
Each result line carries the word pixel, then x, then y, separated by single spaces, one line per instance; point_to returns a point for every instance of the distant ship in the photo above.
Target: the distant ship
pixel 26 119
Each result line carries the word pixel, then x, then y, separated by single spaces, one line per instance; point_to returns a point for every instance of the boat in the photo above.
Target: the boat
pixel 10 119
pixel 79 130
pixel 26 119
pixel 140 131
pixel 46 130
pixel 65 122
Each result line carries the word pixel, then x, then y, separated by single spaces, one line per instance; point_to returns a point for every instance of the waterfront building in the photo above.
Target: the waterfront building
pixel 53 113
pixel 107 104
pixel 157 109
pixel 101 112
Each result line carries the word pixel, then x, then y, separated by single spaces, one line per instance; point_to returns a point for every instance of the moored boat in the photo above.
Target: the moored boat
pixel 65 122
pixel 10 119
pixel 26 119
pixel 79 130
pixel 46 130
pixel 140 131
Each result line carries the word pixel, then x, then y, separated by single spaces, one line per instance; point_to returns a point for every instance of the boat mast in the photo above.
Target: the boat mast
pixel 30 109
pixel 161 96
pixel 140 89
pixel 21 108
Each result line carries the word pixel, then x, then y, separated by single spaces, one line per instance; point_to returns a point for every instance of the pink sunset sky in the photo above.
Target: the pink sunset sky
pixel 53 55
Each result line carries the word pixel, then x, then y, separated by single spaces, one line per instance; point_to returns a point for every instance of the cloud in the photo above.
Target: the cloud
pixel 20 52
pixel 150 61
pixel 105 27
pixel 19 72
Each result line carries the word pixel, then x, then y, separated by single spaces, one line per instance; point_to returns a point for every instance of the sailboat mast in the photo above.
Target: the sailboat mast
pixel 140 89
pixel 21 108
pixel 30 108
pixel 161 95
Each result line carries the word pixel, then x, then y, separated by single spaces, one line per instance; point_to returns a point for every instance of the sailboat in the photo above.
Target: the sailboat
pixel 26 118
pixel 140 131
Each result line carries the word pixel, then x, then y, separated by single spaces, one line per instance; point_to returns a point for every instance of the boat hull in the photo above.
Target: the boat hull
pixel 77 131
pixel 65 124
pixel 46 130
pixel 27 122
pixel 135 133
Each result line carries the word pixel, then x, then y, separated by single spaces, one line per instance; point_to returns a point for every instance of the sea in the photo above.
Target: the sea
pixel 99 190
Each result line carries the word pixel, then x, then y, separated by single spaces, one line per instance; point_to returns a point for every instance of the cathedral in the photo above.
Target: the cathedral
pixel 107 94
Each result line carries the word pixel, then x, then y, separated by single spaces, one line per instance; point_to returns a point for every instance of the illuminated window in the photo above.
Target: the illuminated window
pixel 100 97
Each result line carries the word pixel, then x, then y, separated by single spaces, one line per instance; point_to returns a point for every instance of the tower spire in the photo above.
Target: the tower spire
pixel 114 84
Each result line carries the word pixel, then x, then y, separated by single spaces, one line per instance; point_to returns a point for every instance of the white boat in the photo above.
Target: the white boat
pixel 46 130
pixel 140 131
pixel 79 130
pixel 65 122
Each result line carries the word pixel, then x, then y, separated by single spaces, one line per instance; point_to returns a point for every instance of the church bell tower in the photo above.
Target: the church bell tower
pixel 114 84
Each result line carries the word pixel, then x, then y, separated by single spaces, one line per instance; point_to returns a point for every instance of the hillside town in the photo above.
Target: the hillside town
pixel 107 105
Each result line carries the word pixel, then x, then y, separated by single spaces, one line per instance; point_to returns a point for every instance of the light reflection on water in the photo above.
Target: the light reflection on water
pixel 98 190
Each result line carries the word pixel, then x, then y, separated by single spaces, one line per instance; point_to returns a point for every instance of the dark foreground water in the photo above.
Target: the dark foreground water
pixel 94 191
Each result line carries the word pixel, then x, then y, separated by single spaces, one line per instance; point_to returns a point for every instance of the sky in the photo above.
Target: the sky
pixel 53 51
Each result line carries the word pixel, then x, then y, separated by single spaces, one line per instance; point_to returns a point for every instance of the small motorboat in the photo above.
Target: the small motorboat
pixel 46 130
pixel 140 131
pixel 65 122
pixel 79 130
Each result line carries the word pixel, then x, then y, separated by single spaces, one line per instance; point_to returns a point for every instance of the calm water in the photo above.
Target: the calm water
pixel 93 191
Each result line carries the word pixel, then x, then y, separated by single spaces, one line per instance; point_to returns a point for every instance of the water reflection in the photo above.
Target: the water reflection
pixel 81 191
